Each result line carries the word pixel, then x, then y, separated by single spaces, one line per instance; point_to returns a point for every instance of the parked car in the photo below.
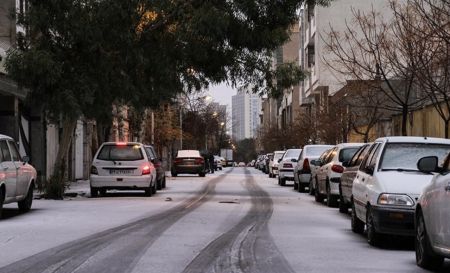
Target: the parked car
pixel 220 161
pixel 122 166
pixel 190 162
pixel 261 161
pixel 388 184
pixel 17 177
pixel 267 160
pixel 314 164
pixel 330 171
pixel 241 164
pixel 273 163
pixel 432 215
pixel 157 163
pixel 349 174
pixel 302 170
pixel 286 167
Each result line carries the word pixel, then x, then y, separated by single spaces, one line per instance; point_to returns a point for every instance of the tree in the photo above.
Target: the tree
pixel 373 49
pixel 80 57
pixel 245 150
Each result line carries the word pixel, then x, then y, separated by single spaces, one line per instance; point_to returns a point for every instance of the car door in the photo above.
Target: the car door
pixel 350 172
pixel 10 170
pixel 439 210
pixel 364 179
pixel 23 175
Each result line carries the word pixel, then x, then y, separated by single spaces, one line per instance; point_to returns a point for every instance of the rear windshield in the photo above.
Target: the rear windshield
pixel 188 153
pixel 278 156
pixel 405 155
pixel 316 151
pixel 120 153
pixel 347 153
pixel 292 153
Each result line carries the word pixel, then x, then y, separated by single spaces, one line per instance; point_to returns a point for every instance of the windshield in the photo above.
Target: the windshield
pixel 292 153
pixel 405 155
pixel 120 153
pixel 316 151
pixel 278 155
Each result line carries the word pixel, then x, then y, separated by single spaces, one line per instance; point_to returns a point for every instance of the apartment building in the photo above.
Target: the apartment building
pixel 246 108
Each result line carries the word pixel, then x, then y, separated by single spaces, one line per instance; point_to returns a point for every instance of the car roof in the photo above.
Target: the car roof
pixel 6 137
pixel 318 145
pixel 413 139
pixel 350 144
pixel 121 142
pixel 279 152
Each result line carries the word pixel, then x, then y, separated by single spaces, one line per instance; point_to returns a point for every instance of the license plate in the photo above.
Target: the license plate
pixel 118 172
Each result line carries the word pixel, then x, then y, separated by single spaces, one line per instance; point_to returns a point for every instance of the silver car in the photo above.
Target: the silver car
pixel 17 177
pixel 122 166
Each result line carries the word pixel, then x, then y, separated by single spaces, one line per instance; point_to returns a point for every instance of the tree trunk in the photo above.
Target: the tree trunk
pixel 56 183
pixel 404 120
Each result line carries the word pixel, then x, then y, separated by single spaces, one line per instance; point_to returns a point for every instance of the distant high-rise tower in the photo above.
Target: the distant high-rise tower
pixel 245 115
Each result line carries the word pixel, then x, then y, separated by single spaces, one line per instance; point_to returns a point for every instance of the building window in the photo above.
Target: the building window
pixel 311 55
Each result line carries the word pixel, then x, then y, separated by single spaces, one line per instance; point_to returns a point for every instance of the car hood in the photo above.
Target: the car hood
pixel 411 183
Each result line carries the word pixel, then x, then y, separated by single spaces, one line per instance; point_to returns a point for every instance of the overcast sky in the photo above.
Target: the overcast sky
pixel 222 94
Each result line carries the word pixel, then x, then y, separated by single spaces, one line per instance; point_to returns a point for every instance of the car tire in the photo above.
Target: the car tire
pixel 25 204
pixel 94 192
pixel 201 174
pixel 425 256
pixel 154 187
pixel 331 199
pixel 357 224
pixel 343 207
pixel 283 182
pixel 159 184
pixel 373 237
pixel 295 186
pixel 2 199
pixel 301 187
pixel 102 192
pixel 317 196
pixel 311 189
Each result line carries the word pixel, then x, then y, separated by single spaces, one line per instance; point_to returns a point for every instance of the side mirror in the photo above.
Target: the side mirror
pixel 428 164
pixel 294 160
pixel 279 160
pixel 370 170
pixel 25 159
pixel 346 164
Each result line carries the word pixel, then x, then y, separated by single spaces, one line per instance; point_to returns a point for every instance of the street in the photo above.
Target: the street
pixel 235 220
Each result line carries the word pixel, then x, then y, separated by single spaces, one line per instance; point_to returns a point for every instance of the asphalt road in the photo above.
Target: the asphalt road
pixel 237 220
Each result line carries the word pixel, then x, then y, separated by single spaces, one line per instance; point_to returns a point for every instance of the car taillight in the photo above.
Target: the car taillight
pixel 146 169
pixel 306 167
pixel 177 160
pixel 287 165
pixel 199 161
pixel 94 170
pixel 337 168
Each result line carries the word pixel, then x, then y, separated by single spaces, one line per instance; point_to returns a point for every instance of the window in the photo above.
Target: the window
pixel 347 153
pixel 14 152
pixel 120 153
pixel 5 151
pixel 371 159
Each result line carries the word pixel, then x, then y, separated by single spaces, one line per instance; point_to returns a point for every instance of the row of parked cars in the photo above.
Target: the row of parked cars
pixel 393 186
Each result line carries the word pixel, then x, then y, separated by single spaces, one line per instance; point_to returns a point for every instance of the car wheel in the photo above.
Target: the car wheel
pixel 311 189
pixel 295 186
pixel 201 174
pixel 2 199
pixel 174 174
pixel 25 204
pixel 102 192
pixel 154 187
pixel 373 237
pixel 317 196
pixel 94 192
pixel 282 181
pixel 357 225
pixel 331 199
pixel 159 184
pixel 343 207
pixel 425 257
pixel 149 191
pixel 301 187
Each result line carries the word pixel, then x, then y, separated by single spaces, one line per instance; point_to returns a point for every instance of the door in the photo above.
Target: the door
pixel 439 210
pixel 9 169
pixel 23 175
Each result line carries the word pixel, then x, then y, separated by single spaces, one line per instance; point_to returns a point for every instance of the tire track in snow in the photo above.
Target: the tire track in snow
pixel 248 247
pixel 113 250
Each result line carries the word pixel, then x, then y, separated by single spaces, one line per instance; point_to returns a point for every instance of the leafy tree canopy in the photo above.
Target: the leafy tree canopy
pixel 81 56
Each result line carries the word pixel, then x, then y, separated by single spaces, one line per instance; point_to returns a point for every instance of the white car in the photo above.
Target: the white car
pixel 17 177
pixel 328 176
pixel 219 162
pixel 388 184
pixel 315 166
pixel 302 170
pixel 273 163
pixel 432 215
pixel 286 166
pixel 122 166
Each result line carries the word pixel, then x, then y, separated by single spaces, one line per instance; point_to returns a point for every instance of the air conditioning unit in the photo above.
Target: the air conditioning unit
pixel 2 61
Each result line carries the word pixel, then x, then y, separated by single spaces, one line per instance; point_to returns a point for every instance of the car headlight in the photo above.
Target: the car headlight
pixel 395 200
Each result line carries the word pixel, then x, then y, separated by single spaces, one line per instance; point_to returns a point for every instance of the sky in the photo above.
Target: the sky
pixel 222 94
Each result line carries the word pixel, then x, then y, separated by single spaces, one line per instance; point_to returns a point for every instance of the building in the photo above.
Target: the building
pixel 245 115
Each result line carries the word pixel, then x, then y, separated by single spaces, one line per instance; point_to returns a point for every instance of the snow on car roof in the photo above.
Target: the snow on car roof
pixel 188 153
pixel 5 136
pixel 414 139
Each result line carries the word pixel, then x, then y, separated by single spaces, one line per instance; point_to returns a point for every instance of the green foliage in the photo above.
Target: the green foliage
pixel 81 56
pixel 245 150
